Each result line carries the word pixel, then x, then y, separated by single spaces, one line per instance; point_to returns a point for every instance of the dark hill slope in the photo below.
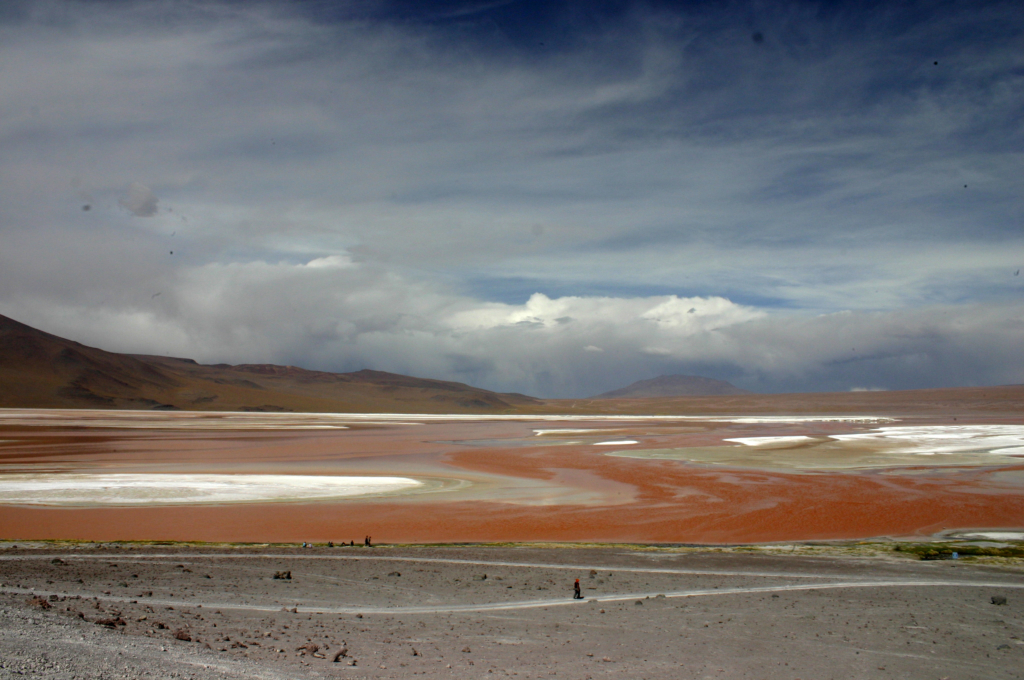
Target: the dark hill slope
pixel 41 370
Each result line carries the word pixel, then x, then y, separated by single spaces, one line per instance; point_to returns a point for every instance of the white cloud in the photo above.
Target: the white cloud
pixel 356 316
pixel 330 261
pixel 665 194
pixel 664 312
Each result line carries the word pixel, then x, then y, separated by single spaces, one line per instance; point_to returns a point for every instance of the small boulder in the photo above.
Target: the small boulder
pixel 283 575
pixel 182 634
pixel 110 623
pixel 998 599
pixel 40 602
pixel 340 654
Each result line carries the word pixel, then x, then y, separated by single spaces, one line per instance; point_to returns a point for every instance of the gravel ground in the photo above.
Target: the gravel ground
pixel 482 612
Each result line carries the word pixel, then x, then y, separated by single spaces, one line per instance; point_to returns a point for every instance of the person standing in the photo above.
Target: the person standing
pixel 576 591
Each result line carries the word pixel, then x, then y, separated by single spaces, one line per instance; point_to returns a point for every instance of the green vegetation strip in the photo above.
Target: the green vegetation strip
pixel 930 551
pixel 943 550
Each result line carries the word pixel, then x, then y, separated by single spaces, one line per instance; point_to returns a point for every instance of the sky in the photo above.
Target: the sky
pixel 556 198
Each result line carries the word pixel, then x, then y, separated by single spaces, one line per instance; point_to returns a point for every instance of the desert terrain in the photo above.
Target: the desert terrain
pixel 178 611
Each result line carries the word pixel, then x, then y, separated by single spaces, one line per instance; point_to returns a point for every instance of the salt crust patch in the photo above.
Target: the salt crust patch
pixel 882 447
pixel 177 489
pixel 802 419
pixel 766 441
pixel 618 442
pixel 238 420
pixel 928 440
pixel 994 535
pixel 177 420
pixel 569 430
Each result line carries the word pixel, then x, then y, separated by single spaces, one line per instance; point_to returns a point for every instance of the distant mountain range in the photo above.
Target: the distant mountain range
pixel 45 371
pixel 674 386
pixel 40 370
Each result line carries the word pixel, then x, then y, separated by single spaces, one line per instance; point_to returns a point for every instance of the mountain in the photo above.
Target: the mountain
pixel 45 371
pixel 674 386
pixel 41 370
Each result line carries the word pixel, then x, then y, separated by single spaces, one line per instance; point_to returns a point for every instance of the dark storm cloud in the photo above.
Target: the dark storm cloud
pixel 389 184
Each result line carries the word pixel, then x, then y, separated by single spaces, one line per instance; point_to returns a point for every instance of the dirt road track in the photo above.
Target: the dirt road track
pixel 467 612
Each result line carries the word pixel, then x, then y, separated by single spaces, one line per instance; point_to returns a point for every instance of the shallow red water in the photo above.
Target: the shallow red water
pixel 525 488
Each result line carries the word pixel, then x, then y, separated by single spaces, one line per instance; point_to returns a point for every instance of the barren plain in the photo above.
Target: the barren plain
pixel 855 611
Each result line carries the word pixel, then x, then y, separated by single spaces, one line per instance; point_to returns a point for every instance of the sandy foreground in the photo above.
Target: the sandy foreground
pixel 173 611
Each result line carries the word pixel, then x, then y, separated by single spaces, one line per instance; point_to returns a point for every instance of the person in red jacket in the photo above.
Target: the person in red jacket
pixel 576 591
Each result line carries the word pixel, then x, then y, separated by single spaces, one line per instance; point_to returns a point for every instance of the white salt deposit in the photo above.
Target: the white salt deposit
pixel 309 421
pixel 177 489
pixel 618 442
pixel 177 420
pixel 995 535
pixel 928 440
pixel 802 419
pixel 569 430
pixel 767 441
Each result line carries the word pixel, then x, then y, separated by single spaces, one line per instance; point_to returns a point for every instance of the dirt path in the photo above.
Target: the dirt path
pixel 485 612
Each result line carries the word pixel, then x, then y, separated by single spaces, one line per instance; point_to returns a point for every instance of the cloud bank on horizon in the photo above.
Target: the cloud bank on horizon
pixel 555 198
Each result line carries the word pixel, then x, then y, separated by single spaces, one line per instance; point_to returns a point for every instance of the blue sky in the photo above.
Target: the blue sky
pixel 521 195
